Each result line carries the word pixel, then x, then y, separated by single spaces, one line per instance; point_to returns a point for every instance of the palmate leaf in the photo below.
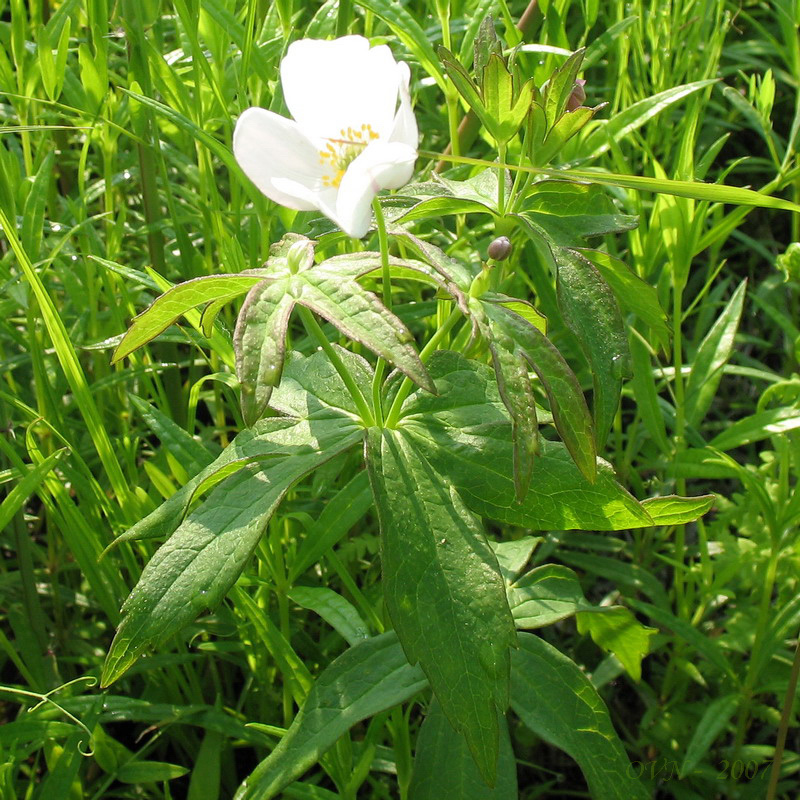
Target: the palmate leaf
pixel 458 278
pixel 559 87
pixel 270 439
pixel 331 290
pixel 551 592
pixel 443 590
pixel 632 293
pixel 363 681
pixel 507 111
pixel 590 310
pixel 564 129
pixel 545 683
pixel 465 434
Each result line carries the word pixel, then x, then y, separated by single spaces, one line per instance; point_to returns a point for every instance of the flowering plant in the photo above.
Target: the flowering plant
pixel 348 139
pixel 450 439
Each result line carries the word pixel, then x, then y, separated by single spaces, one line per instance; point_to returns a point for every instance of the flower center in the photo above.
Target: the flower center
pixel 339 153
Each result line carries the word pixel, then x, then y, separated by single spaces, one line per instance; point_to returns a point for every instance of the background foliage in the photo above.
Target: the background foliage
pixel 116 180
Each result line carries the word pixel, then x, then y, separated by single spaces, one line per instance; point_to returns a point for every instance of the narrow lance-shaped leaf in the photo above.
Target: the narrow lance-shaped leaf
pixel 269 438
pixel 711 357
pixel 555 699
pixel 696 190
pixel 443 590
pixel 511 369
pixel 467 89
pixel 559 87
pixel 567 403
pixel 591 311
pixel 260 345
pixel 192 455
pixel 199 563
pixel 358 314
pixel 177 301
pixel 634 116
pixel 363 681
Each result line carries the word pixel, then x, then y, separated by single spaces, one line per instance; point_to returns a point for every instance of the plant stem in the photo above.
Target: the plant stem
pixel 315 331
pixel 386 287
pixel 405 388
pixel 783 728
pixel 501 180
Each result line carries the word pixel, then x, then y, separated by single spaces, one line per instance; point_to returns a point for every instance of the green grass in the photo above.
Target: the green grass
pixel 117 181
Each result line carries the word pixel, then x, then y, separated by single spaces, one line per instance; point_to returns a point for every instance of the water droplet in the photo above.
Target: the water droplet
pixel 73 258
pixel 56 227
pixel 126 175
pixel 176 252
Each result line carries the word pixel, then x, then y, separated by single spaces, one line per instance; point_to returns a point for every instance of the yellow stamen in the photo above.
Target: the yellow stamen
pixel 339 153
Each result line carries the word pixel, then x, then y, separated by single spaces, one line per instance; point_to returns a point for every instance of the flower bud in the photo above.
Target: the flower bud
pixel 500 248
pixel 298 256
pixel 577 96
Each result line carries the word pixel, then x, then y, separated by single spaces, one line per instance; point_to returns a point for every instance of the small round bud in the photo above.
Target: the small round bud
pixel 577 96
pixel 500 248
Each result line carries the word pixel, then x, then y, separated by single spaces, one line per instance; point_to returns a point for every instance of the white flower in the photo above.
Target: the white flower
pixel 348 140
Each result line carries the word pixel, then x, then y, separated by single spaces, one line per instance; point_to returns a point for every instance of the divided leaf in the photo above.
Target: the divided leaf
pixel 443 590
pixel 466 435
pixel 616 630
pixel 204 556
pixel 559 87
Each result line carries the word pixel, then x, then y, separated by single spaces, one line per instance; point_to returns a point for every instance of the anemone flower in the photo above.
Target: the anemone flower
pixel 349 137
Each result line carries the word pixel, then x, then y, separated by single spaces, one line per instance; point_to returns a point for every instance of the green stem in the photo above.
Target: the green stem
pixel 680 432
pixel 752 672
pixel 315 331
pixel 501 180
pixel 407 384
pixel 783 728
pixel 386 286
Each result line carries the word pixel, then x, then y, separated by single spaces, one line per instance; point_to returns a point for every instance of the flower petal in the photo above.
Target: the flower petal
pixel 404 128
pixel 332 85
pixel 279 158
pixel 382 165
